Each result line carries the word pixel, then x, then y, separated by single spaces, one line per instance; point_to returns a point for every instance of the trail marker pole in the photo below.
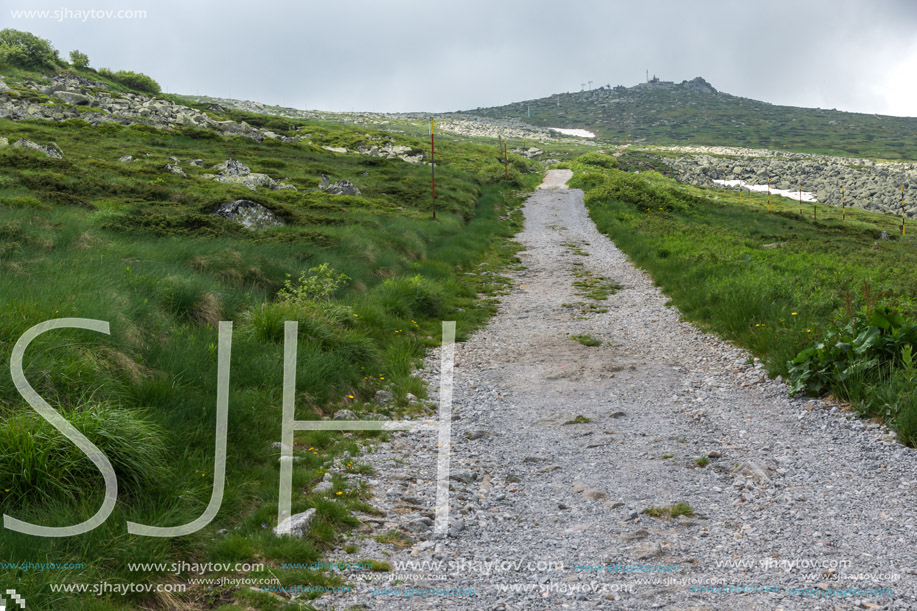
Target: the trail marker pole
pixel 740 185
pixel 505 160
pixel 800 198
pixel 843 207
pixel 902 210
pixel 768 194
pixel 433 168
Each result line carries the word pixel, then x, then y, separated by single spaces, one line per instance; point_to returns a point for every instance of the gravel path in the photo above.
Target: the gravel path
pixel 558 448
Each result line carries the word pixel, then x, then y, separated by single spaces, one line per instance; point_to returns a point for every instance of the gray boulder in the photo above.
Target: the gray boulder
pixel 126 158
pixel 296 525
pixel 73 97
pixel 234 172
pixel 325 485
pixel 249 214
pixel 176 170
pixel 51 150
pixel 341 187
pixel 232 167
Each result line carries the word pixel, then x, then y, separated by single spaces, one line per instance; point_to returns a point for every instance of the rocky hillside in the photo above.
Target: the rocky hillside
pixel 694 112
pixel 65 96
pixel 479 127
pixel 867 184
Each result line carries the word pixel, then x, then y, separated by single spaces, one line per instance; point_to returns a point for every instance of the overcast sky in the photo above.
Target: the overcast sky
pixel 431 55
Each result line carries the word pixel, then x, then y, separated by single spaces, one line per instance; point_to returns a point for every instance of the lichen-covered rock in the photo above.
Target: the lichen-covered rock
pixel 73 97
pixel 296 525
pixel 51 150
pixel 341 187
pixel 176 170
pixel 249 214
pixel 233 172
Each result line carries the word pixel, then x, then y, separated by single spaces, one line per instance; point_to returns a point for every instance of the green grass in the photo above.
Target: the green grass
pixel 134 245
pixel 673 511
pixel 396 538
pixel 580 419
pixel 702 462
pixel 586 340
pixel 771 281
pixel 594 287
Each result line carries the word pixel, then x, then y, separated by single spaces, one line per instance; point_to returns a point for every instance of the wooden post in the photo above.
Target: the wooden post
pixel 843 206
pixel 902 210
pixel 768 193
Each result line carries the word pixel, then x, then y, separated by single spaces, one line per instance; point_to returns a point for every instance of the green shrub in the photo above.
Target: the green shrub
pixel 318 284
pixel 78 59
pixel 26 51
pixel 864 345
pixel 412 296
pixel 869 360
pixel 641 192
pixel 598 159
pixel 134 80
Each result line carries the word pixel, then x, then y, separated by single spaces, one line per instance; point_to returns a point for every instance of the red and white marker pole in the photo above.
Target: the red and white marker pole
pixel 505 160
pixel 433 168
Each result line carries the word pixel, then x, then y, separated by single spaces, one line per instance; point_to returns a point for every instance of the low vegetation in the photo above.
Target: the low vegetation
pixel 369 278
pixel 587 340
pixel 827 303
pixel 673 511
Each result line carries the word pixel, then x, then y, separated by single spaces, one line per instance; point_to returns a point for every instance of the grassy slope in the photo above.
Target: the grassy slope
pixel 658 115
pixel 132 244
pixel 769 280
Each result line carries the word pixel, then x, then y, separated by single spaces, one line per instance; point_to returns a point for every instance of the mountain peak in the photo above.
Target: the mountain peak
pixel 699 84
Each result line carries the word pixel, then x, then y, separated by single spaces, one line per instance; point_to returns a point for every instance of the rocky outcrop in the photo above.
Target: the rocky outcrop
pixel 341 187
pixel 233 172
pixel 393 151
pixel 531 152
pixel 51 150
pixel 867 184
pixel 249 214
pixel 176 170
pixel 296 525
pixel 80 98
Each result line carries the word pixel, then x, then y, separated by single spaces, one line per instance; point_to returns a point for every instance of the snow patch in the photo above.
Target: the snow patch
pixel 795 195
pixel 580 133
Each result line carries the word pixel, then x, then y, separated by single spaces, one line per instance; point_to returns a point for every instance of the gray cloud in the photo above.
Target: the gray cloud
pixel 426 55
